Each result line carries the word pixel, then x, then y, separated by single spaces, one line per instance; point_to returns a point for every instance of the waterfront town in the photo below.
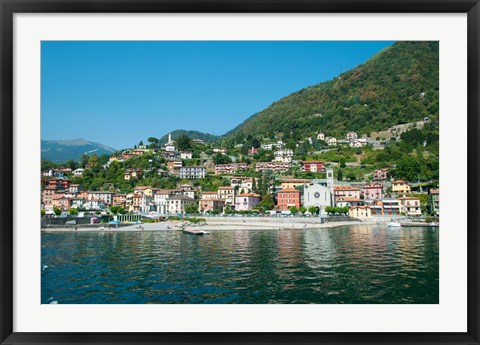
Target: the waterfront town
pixel 161 180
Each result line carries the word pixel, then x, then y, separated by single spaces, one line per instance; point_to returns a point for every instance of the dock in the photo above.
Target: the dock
pixel 195 232
pixel 419 224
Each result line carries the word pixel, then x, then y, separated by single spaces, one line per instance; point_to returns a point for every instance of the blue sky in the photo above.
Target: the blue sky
pixel 118 93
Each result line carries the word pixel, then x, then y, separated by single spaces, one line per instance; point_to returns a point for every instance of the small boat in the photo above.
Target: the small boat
pixel 394 224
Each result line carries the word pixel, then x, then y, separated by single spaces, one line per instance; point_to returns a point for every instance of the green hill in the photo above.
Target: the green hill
pixel 395 86
pixel 208 138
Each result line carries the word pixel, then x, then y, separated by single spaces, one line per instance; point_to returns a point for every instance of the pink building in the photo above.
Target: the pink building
pixel 380 174
pixel 342 192
pixel 373 191
pixel 245 202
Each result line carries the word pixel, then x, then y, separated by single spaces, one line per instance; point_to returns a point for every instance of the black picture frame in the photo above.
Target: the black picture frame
pixel 9 7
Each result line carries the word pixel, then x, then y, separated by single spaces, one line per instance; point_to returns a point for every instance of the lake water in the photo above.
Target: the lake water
pixel 356 264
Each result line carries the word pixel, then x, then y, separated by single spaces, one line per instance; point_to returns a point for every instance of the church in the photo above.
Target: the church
pixel 319 193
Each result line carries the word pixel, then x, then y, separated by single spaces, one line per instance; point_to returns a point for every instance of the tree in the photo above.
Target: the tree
pixel 342 162
pixel 184 143
pixel 221 159
pixel 71 164
pixel 57 211
pixel 313 210
pixel 153 142
pixel 73 211
pixel 302 209
pixel 84 160
pixel 43 212
pixel 93 162
pixel 340 175
pixel 140 143
pixel 267 202
pixel 191 209
pixel 293 210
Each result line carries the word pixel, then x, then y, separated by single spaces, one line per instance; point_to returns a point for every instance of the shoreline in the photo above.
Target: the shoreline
pixel 242 224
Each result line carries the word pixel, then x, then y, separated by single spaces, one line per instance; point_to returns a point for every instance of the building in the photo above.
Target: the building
pixel 313 166
pixel 435 201
pixel 222 150
pixel 391 207
pixel 331 141
pixel 246 201
pixel 132 174
pixel 376 206
pixel 242 183
pixel 342 192
pixel 210 195
pixel 380 174
pixel 283 155
pixel 105 197
pixel 227 194
pixel 170 145
pixel 351 136
pixel 373 191
pixel 78 172
pixel 47 197
pixel 293 183
pixel 360 142
pixel 272 166
pixel 185 155
pixel 401 187
pixel 210 204
pixel 177 204
pixel 160 199
pixel 317 195
pixel 230 168
pixel 321 136
pixel 410 206
pixel 119 200
pixel 287 198
pixel 192 172
pixel 348 202
pixel 360 212
pixel 173 166
pixel 252 151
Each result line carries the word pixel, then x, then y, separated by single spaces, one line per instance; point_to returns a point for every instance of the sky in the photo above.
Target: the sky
pixel 118 93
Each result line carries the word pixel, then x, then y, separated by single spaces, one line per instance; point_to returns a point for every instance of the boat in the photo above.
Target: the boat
pixel 393 224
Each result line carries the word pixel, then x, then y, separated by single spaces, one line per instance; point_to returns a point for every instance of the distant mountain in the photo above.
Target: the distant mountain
pixel 400 84
pixel 208 138
pixel 59 151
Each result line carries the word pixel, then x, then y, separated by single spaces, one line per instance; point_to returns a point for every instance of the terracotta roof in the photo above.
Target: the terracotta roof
pixel 253 195
pixel 399 181
pixel 435 191
pixel 289 190
pixel 345 188
pixel 209 193
pixel 226 188
pixel 352 199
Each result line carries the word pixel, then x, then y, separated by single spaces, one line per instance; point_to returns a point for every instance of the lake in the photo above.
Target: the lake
pixel 351 264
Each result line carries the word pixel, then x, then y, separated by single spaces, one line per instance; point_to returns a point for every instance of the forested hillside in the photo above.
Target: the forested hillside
pixel 397 85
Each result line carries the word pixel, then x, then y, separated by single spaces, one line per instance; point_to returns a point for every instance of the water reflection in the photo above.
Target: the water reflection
pixel 359 264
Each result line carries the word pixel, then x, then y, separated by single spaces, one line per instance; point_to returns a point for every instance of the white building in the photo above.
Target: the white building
pixel 361 142
pixel 185 155
pixel 177 204
pixel 317 195
pixel 192 172
pixel 284 155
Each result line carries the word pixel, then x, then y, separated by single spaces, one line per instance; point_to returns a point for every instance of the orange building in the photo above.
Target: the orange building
pixel 287 198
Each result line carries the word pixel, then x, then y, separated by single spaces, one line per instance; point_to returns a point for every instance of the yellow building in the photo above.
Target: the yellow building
pixel 401 187
pixel 292 183
pixel 360 212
